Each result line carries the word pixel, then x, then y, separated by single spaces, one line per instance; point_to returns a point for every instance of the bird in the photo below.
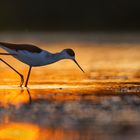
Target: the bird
pixel 34 56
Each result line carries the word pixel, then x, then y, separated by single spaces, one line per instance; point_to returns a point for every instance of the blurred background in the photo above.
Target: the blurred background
pixel 95 15
pixel 67 104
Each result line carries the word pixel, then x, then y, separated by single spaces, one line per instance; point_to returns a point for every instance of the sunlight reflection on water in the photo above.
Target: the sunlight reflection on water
pixel 67 104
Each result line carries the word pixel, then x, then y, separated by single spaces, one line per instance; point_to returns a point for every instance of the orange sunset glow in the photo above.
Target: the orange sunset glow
pixel 60 100
pixel 22 131
pixel 70 70
pixel 16 131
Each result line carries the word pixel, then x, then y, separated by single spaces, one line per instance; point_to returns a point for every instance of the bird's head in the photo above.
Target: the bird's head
pixel 70 54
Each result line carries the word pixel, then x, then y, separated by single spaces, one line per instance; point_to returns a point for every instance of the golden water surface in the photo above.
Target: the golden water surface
pixel 110 69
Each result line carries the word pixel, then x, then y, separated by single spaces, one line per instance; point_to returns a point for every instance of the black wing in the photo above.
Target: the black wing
pixel 17 47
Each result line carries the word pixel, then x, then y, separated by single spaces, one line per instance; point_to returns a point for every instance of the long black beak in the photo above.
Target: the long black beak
pixel 78 65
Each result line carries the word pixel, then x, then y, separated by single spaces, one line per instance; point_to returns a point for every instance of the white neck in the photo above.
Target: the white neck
pixel 58 56
pixel 51 58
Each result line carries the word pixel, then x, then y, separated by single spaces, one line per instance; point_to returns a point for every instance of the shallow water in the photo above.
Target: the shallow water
pixel 63 103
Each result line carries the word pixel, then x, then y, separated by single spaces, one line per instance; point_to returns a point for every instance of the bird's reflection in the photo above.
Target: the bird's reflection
pixel 29 94
pixel 20 96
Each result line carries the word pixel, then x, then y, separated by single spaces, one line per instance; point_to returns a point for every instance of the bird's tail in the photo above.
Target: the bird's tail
pixel 6 54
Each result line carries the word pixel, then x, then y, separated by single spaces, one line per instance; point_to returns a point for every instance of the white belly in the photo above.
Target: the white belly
pixel 32 59
pixel 29 58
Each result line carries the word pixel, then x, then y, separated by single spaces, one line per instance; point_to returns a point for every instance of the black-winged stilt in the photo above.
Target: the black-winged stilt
pixel 34 56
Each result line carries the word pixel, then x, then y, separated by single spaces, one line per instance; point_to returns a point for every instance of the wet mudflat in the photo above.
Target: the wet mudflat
pixel 68 115
pixel 62 103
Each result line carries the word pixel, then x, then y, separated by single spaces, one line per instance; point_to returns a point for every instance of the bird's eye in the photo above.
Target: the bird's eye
pixel 70 52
